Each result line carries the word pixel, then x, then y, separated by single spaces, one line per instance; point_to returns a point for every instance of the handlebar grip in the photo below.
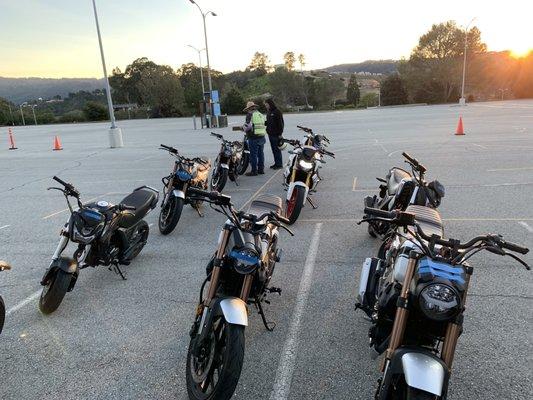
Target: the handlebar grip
pixel 514 247
pixel 409 158
pixel 55 178
pixel 380 213
pixel 165 146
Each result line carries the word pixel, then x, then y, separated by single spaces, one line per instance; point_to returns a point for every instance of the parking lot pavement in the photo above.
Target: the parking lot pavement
pixel 114 339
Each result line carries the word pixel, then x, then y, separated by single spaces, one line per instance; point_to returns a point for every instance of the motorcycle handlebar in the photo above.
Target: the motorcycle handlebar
pixel 514 247
pixel 70 189
pixel 217 135
pixel 303 128
pixel 414 162
pixel 217 197
pixel 169 148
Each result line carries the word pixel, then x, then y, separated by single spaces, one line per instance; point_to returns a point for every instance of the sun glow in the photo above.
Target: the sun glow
pixel 521 52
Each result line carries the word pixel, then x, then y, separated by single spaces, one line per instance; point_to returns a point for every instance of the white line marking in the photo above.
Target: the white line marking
pixel 4 227
pixel 382 147
pixel 525 225
pixel 27 300
pixel 354 183
pixel 393 152
pixel 261 188
pixel 66 209
pixel 510 169
pixel 287 362
pixel 479 145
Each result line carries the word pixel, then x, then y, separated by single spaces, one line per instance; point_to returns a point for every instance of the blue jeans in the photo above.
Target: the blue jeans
pixel 274 143
pixel 257 156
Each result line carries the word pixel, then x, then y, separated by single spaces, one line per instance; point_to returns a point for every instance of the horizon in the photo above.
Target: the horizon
pixel 66 45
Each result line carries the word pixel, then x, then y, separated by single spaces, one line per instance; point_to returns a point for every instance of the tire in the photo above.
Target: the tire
pixel 294 205
pixel 2 313
pixel 230 359
pixel 170 214
pixel 219 177
pixel 54 292
pixel 416 394
pixel 144 230
pixel 245 161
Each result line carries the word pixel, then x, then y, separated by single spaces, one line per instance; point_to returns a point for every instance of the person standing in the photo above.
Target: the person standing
pixel 274 126
pixel 255 128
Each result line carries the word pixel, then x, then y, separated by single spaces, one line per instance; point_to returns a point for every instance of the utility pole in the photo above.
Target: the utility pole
pixel 22 114
pixel 462 100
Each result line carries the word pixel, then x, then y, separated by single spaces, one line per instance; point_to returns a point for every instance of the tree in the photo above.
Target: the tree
pixel 301 60
pixel 233 101
pixel 353 93
pixel 160 88
pixel 369 99
pixel 393 91
pixel 285 86
pixel 95 111
pixel 260 63
pixel 290 59
pixel 324 91
pixel 436 63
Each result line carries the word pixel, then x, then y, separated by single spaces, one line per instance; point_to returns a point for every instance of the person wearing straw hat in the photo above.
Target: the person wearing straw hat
pixel 255 128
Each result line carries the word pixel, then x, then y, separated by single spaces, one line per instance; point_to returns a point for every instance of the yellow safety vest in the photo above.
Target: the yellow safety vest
pixel 258 122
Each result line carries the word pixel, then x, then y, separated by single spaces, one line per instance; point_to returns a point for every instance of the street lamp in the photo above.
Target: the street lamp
pixel 199 51
pixel 22 113
pixel 462 100
pixel 33 111
pixel 115 134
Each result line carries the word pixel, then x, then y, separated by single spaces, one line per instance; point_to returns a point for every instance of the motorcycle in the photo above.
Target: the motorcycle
pixel 3 267
pixel 187 173
pixel 238 274
pixel 416 303
pixel 106 234
pixel 227 163
pixel 301 176
pixel 400 189
pixel 313 139
pixel 245 158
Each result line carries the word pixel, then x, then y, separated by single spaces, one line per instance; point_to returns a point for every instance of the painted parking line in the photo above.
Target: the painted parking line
pixel 510 169
pixel 287 362
pixel 377 143
pixel 24 302
pixel 354 183
pixel 521 221
pixel 85 201
pixel 526 225
pixel 253 196
pixel 4 227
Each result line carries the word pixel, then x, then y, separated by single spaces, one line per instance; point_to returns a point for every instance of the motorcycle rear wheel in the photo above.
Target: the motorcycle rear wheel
pixel 143 230
pixel 215 375
pixel 54 292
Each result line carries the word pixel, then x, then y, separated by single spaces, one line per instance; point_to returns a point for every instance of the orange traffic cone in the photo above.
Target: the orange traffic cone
pixel 11 140
pixel 460 130
pixel 57 144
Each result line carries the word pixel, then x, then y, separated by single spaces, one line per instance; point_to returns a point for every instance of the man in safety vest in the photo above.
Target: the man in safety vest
pixel 255 128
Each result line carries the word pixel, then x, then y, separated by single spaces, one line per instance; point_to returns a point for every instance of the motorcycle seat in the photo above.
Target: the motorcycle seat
pixel 143 200
pixel 395 178
pixel 428 218
pixel 265 203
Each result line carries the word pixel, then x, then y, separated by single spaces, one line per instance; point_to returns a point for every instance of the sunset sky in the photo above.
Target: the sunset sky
pixel 57 38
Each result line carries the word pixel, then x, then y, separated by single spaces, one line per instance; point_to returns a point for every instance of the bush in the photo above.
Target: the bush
pixel 393 91
pixel 45 117
pixel 368 100
pixel 233 102
pixel 95 111
pixel 73 116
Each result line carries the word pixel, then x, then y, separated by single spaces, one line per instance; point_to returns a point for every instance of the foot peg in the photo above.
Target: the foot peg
pixel 274 290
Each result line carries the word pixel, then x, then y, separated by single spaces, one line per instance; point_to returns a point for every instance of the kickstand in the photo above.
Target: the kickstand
pixel 312 203
pixel 118 271
pixel 268 325
pixel 197 208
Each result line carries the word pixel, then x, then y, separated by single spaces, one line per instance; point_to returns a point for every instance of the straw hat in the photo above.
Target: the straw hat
pixel 249 105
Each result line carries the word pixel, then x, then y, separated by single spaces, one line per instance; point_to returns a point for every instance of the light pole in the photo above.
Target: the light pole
pixel 115 134
pixel 462 100
pixel 22 113
pixel 199 51
pixel 204 15
pixel 33 111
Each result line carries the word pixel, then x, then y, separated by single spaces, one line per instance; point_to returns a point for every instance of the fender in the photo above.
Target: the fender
pixel 224 166
pixel 234 311
pixel 291 188
pixel 66 264
pixel 421 369
pixel 179 193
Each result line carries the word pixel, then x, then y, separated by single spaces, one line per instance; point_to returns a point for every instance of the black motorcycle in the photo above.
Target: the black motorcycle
pixel 238 274
pixel 401 189
pixel 245 158
pixel 105 234
pixel 227 163
pixel 3 267
pixel 416 298
pixel 187 172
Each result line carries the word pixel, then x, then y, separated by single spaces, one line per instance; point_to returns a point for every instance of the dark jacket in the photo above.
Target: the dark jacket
pixel 274 122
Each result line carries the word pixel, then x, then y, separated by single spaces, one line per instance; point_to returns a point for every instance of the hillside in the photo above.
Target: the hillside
pixel 19 90
pixel 372 66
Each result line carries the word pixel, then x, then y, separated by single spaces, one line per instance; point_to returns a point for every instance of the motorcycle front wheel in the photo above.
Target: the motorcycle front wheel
pixel 416 394
pixel 214 373
pixel 2 313
pixel 54 292
pixel 294 205
pixel 170 214
pixel 219 177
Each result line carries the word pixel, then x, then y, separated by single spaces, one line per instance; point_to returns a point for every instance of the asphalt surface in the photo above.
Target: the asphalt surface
pixel 114 339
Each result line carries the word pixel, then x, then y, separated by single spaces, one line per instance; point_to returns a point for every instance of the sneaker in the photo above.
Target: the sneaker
pixel 273 166
pixel 261 172
pixel 277 167
pixel 251 173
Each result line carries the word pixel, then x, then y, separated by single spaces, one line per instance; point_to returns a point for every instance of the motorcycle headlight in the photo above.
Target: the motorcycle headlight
pixel 247 260
pixel 305 165
pixel 183 175
pixel 439 302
